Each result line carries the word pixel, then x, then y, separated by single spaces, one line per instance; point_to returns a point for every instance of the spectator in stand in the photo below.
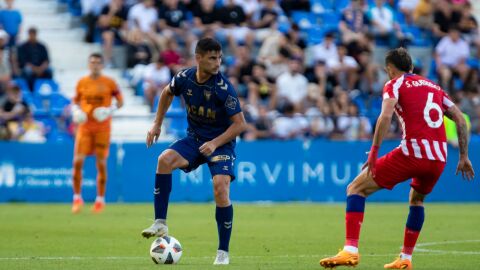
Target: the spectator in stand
pixel 206 17
pixel 173 22
pixel 423 14
pixel 5 72
pixel 144 17
pixel 468 25
pixel 113 24
pixel 325 50
pixel 407 7
pixel 11 21
pixel 33 59
pixel 156 77
pixel 234 25
pixel 243 65
pixel 383 24
pixel 344 68
pixel 289 125
pixel 451 55
pixel 265 20
pixel 12 112
pixel 292 86
pixel 352 126
pixel 138 50
pixel 354 23
pixel 294 42
pixel 261 89
pixel 259 127
pixel 249 7
pixel 172 56
pixel 444 17
pixel 90 11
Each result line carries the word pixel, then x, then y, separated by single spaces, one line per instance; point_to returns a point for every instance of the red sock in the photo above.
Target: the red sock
pixel 409 240
pixel 353 223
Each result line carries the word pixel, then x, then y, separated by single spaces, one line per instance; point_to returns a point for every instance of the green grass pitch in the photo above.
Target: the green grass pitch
pixel 276 236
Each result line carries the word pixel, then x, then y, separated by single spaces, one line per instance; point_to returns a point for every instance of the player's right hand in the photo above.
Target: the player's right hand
pixel 465 167
pixel 371 161
pixel 78 116
pixel 153 134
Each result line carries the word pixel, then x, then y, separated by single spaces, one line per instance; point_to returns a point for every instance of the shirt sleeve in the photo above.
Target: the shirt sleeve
pixel 388 90
pixel 228 97
pixel 447 103
pixel 76 98
pixel 177 82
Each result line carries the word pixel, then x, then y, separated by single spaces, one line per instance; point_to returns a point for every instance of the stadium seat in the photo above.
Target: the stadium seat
pixel 178 118
pixel 330 18
pixel 45 87
pixel 22 83
pixel 305 20
pixel 58 102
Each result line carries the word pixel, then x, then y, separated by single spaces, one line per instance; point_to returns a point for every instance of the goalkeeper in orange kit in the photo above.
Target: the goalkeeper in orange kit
pixel 92 111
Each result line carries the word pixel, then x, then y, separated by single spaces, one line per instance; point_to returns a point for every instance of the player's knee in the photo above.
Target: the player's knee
pixel 166 161
pixel 221 195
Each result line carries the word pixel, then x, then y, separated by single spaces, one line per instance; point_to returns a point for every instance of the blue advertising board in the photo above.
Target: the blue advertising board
pixel 317 170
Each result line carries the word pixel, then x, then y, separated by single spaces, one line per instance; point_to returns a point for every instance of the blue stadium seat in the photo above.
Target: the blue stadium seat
pixel 27 97
pixel 340 5
pixel 417 36
pixel 305 20
pixel 315 35
pixel 178 118
pixel 58 102
pixel 45 87
pixel 330 18
pixel 22 83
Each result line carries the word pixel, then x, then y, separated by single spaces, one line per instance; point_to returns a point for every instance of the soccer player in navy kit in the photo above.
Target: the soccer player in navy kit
pixel 214 121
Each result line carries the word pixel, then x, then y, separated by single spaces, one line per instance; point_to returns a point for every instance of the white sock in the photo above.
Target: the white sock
pixel 77 196
pixel 404 256
pixel 351 249
pixel 100 199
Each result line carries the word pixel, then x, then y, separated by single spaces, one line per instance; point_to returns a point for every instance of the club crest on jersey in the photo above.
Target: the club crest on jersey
pixel 189 92
pixel 231 102
pixel 207 94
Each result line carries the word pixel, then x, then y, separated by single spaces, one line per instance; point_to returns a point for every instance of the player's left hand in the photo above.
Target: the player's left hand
pixel 207 148
pixel 465 167
pixel 371 161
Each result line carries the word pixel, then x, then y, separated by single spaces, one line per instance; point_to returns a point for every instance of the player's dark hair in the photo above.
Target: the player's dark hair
pixel 400 59
pixel 205 45
pixel 96 55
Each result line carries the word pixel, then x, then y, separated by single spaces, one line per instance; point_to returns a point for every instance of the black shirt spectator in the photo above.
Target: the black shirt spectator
pixel 206 15
pixel 118 18
pixel 172 13
pixel 232 15
pixel 444 21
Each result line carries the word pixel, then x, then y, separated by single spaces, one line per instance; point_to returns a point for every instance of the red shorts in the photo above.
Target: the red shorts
pixel 395 167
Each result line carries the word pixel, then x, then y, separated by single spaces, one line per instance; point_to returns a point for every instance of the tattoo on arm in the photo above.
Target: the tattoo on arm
pixel 462 131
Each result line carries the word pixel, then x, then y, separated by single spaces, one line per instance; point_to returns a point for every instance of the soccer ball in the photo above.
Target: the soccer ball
pixel 166 250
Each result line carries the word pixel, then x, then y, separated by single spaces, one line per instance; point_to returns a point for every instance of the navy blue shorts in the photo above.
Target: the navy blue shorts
pixel 221 161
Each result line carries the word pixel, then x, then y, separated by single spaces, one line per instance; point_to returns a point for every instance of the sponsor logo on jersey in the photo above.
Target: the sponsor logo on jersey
pixel 220 158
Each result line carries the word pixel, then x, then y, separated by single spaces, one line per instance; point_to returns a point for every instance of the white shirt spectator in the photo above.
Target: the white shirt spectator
pixel 322 52
pixel 146 17
pixel 350 126
pixel 285 127
pixel 348 61
pixel 292 86
pixel 382 16
pixel 450 52
pixel 158 76
pixel 248 6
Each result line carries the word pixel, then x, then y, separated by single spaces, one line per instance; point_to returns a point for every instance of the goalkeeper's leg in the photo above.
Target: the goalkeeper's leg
pixel 77 183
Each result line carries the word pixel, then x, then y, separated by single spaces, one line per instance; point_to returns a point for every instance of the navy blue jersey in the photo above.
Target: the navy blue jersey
pixel 209 105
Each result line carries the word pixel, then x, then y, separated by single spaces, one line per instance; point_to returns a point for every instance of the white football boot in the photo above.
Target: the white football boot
pixel 158 228
pixel 222 258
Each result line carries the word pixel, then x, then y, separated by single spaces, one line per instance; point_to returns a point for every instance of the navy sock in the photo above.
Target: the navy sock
pixel 415 219
pixel 161 194
pixel 224 217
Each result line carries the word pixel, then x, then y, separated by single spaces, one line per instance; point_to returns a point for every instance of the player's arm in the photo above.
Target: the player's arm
pixel 238 126
pixel 381 129
pixel 464 164
pixel 166 98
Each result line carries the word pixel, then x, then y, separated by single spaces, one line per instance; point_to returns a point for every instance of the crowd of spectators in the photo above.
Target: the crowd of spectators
pixel 302 68
pixel 295 83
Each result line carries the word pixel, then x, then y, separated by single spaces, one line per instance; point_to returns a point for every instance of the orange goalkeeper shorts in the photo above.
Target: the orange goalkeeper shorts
pixel 93 143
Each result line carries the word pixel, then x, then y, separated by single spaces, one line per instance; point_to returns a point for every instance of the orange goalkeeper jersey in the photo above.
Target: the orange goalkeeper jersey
pixel 93 93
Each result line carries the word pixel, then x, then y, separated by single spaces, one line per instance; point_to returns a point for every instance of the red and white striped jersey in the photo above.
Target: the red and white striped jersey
pixel 420 108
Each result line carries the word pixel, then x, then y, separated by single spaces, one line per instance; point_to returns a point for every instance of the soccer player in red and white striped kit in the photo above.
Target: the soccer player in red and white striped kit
pixel 420 106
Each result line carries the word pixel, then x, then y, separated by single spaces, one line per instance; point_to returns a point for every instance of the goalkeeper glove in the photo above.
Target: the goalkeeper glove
pixel 78 116
pixel 103 113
